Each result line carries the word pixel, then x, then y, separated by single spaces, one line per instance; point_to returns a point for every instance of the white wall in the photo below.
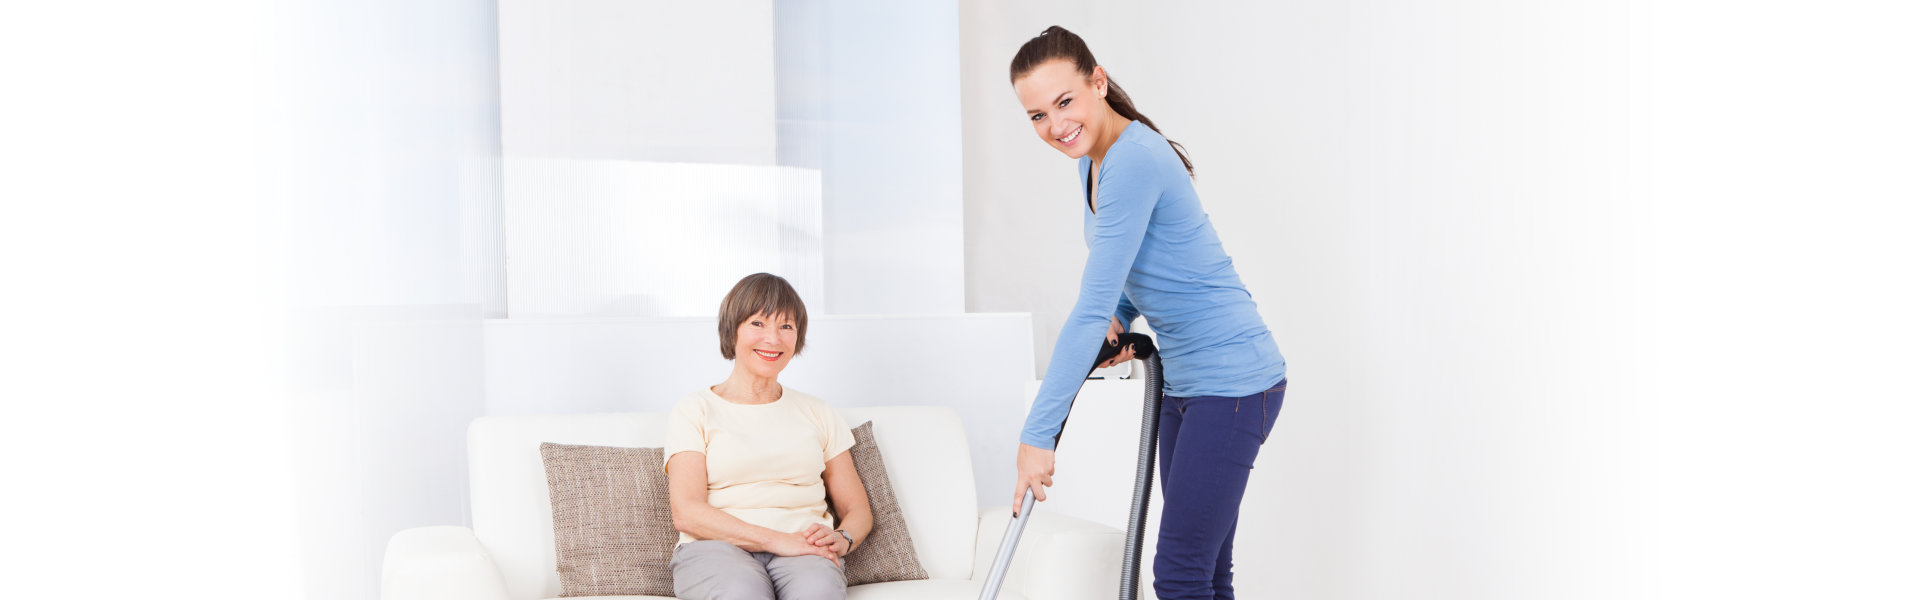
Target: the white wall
pixel 638 81
pixel 1771 166
pixel 139 382
pixel 380 402
pixel 206 186
pixel 1509 302
pixel 392 233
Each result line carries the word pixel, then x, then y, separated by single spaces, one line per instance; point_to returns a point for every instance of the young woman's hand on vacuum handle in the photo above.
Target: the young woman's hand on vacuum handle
pixel 1114 329
pixel 1034 468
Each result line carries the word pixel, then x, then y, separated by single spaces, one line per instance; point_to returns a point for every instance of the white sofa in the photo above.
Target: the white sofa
pixel 509 552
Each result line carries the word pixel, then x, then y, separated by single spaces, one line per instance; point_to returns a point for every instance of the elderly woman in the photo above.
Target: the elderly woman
pixel 752 465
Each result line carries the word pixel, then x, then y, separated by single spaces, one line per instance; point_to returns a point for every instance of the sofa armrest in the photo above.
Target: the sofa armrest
pixel 439 563
pixel 1059 558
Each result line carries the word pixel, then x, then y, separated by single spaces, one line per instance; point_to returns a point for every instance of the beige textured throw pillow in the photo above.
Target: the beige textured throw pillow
pixel 612 526
pixel 887 554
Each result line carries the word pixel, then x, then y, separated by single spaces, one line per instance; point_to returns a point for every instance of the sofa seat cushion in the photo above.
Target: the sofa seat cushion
pixel 926 589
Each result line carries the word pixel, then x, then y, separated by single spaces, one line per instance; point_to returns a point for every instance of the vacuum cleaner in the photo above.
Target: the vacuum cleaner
pixel 1143 349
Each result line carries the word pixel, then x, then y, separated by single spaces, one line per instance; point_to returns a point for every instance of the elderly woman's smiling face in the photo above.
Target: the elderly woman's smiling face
pixel 764 343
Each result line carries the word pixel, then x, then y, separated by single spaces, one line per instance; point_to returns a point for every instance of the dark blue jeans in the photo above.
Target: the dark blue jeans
pixel 1207 447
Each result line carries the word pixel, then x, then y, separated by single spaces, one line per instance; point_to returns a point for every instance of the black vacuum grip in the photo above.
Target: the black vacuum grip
pixel 1142 348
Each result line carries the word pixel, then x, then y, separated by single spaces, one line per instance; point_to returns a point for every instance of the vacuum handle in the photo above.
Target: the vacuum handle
pixel 1142 348
pixel 1004 558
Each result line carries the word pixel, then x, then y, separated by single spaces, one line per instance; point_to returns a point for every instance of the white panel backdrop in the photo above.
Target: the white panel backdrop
pixel 629 238
pixel 605 103
pixel 642 81
pixel 977 364
pixel 869 94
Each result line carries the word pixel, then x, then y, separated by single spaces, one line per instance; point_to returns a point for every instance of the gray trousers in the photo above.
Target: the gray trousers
pixel 717 570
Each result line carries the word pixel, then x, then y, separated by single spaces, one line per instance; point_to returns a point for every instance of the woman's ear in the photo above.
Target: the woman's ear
pixel 1099 79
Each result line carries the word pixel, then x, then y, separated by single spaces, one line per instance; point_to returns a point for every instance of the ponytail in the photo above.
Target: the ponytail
pixel 1121 103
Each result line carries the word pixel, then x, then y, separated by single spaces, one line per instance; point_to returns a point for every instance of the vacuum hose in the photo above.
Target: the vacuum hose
pixel 1144 350
pixel 1142 481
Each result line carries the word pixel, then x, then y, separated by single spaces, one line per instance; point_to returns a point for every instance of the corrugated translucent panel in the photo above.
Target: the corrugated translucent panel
pixel 623 238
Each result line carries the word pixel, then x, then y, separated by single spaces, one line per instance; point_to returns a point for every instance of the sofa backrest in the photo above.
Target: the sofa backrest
pixel 924 447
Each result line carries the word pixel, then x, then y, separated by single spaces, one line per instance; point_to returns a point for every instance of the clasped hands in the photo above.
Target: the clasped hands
pixel 816 539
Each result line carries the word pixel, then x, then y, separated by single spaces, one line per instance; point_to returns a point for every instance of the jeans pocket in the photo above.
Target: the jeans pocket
pixel 1270 402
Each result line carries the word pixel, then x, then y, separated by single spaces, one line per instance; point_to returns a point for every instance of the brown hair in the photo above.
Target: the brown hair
pixel 1056 43
pixel 761 293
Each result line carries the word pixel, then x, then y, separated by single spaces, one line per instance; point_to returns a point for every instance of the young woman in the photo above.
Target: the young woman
pixel 1152 253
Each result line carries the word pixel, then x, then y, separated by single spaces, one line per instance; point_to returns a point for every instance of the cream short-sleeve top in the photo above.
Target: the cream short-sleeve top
pixel 764 461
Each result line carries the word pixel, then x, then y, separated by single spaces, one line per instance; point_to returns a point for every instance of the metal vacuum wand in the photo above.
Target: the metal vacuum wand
pixel 1143 349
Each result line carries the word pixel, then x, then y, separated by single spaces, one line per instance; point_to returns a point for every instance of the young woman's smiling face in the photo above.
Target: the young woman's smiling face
pixel 1067 109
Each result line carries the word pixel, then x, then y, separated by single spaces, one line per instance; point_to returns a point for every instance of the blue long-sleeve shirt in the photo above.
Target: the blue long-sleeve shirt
pixel 1152 252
